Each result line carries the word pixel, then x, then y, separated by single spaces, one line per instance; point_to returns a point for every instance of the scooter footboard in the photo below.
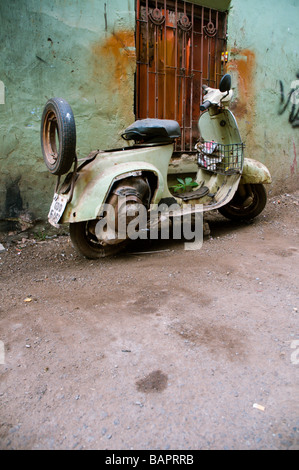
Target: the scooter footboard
pixel 222 187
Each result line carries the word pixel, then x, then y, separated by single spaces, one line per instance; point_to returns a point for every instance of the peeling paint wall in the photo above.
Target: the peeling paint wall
pixel 263 42
pixel 82 51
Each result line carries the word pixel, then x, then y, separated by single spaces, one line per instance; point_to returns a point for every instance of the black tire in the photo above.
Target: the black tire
pixel 58 136
pixel 235 210
pixel 87 244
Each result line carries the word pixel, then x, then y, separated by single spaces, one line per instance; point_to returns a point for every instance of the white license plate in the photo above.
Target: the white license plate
pixel 57 208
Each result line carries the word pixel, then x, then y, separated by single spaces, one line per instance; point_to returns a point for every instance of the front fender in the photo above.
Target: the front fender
pixel 92 189
pixel 255 172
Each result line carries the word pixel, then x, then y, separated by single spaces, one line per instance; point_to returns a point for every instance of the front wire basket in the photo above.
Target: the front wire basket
pixel 225 159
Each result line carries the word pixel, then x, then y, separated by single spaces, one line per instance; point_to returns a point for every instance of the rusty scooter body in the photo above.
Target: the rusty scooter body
pixel 144 173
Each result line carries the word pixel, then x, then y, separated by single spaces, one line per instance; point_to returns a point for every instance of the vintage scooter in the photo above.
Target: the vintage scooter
pixel 144 173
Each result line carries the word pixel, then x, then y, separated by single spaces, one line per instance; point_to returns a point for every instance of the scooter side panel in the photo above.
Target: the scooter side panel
pixel 255 172
pixel 96 179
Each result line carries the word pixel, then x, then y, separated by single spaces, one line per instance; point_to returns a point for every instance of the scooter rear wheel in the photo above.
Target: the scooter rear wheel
pixel 236 210
pixel 86 243
pixel 58 136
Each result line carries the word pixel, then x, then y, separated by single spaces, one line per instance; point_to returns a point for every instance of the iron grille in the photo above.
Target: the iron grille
pixel 179 49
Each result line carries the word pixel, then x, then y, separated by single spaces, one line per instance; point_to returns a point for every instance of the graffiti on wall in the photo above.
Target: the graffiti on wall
pixel 291 99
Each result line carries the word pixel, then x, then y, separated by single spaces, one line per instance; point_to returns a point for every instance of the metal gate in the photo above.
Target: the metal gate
pixel 180 47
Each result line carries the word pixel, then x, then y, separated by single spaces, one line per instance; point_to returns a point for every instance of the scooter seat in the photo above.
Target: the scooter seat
pixel 153 131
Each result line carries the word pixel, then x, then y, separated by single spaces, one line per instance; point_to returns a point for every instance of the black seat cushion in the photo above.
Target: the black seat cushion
pixel 153 131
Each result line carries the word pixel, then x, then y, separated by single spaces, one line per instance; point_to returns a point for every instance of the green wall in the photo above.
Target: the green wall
pixel 263 41
pixel 84 51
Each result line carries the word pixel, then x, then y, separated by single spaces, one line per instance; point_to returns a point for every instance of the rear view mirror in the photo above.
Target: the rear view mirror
pixel 225 83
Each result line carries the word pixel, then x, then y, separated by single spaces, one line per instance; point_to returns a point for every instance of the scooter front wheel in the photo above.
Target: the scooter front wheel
pixel 248 202
pixel 86 243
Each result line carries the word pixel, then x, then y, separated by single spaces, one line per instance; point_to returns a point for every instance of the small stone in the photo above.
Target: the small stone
pixel 258 407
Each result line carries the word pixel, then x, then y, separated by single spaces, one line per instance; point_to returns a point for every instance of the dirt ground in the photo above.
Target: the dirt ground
pixel 158 348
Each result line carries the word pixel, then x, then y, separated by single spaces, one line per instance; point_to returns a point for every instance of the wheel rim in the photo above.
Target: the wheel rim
pixel 93 241
pixel 90 235
pixel 236 206
pixel 51 138
pixel 85 241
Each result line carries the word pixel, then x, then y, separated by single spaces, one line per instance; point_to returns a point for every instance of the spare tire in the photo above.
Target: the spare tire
pixel 58 136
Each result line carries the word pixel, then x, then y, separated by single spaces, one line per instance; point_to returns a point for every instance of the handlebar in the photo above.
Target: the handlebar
pixel 205 105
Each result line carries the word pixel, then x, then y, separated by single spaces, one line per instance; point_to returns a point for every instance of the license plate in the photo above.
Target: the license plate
pixel 57 208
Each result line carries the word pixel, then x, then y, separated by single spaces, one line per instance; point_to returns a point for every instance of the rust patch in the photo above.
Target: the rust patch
pixel 116 53
pixel 243 64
